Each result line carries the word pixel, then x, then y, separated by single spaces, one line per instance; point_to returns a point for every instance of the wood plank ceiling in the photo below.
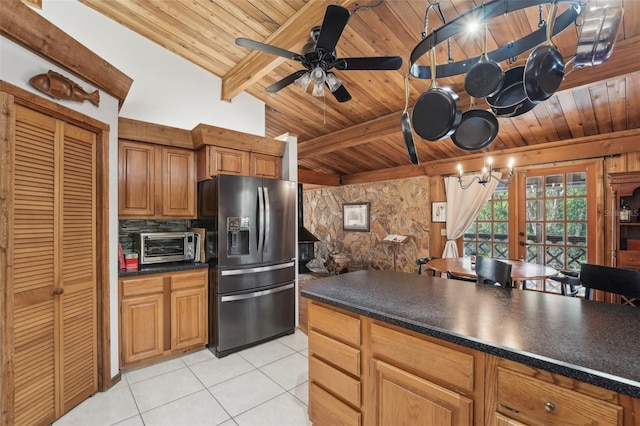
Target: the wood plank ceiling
pixel 364 134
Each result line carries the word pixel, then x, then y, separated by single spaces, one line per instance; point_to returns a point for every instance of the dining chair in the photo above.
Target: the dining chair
pixel 423 261
pixel 493 271
pixel 452 276
pixel 569 282
pixel 623 282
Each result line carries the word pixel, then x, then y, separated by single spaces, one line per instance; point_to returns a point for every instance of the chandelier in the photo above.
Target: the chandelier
pixel 486 176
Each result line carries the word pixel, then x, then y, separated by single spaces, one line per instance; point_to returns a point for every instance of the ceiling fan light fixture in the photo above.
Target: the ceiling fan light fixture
pixel 318 90
pixel 318 75
pixel 333 81
pixel 303 81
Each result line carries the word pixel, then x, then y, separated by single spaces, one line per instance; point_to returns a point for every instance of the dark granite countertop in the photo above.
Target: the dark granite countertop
pixel 160 268
pixel 594 342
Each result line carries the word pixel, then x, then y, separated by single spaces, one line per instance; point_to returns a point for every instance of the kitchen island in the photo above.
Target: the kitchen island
pixel 383 345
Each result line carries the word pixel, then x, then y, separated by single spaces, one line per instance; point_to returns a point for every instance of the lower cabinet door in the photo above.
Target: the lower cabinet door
pixel 142 328
pixel 188 318
pixel 403 398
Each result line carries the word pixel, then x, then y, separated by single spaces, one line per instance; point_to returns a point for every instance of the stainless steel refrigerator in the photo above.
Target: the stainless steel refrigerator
pixel 250 247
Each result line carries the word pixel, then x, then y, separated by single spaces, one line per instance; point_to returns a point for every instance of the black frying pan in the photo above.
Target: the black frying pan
pixel 477 129
pixel 485 77
pixel 512 99
pixel 406 126
pixel 544 70
pixel 436 114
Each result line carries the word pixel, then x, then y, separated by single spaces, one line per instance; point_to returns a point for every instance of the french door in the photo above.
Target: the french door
pixel 556 220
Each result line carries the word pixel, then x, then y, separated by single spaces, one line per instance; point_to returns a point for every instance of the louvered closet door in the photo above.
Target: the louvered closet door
pixel 34 268
pixel 77 319
pixel 54 277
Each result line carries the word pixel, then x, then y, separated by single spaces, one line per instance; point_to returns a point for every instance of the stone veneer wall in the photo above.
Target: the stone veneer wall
pixel 400 206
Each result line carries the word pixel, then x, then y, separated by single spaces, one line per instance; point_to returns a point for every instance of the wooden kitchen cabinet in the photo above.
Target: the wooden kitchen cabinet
pixel 267 166
pixel 522 395
pixel 213 160
pixel 155 181
pixel 142 320
pixel 162 314
pixel 188 311
pixel 136 179
pixel 626 233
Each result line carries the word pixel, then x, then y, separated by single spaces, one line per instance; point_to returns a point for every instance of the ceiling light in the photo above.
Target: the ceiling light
pixel 318 89
pixel 487 174
pixel 318 75
pixel 333 81
pixel 303 81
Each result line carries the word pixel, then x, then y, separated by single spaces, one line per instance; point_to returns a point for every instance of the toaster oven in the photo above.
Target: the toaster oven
pixel 161 247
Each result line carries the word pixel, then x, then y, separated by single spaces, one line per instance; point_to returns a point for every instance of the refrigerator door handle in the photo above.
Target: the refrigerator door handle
pixel 229 272
pixel 267 217
pixel 260 220
pixel 256 293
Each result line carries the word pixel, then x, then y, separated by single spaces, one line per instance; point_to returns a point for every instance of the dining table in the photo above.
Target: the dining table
pixel 520 271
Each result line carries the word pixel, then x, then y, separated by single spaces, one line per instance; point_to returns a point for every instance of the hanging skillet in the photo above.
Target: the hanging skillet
pixel 477 129
pixel 511 100
pixel 406 125
pixel 544 70
pixel 485 77
pixel 436 114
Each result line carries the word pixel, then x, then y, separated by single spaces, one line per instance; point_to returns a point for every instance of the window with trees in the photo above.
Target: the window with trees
pixel 488 235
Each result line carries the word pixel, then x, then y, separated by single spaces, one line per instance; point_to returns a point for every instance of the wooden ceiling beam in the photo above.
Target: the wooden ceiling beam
pixel 33 32
pixel 624 61
pixel 256 64
pixel 317 178
pixel 603 145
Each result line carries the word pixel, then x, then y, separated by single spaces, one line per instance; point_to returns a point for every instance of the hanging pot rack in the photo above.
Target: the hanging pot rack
pixel 482 13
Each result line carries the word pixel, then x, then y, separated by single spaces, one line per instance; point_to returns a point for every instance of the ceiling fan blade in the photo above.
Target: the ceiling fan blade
pixel 342 94
pixel 335 19
pixel 267 48
pixel 285 81
pixel 370 63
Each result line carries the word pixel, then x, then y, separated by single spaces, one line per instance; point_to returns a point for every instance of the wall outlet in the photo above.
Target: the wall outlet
pixel 443 232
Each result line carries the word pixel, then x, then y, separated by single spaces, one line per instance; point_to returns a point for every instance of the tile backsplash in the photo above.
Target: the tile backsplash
pixel 127 229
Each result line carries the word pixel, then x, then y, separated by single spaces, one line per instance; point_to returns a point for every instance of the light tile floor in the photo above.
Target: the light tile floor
pixel 266 385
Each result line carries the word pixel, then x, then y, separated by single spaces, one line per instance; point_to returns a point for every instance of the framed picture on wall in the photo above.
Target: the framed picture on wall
pixel 439 211
pixel 355 217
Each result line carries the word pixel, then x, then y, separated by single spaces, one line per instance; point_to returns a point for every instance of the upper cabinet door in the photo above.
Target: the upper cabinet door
pixel 178 183
pixel 136 187
pixel 266 166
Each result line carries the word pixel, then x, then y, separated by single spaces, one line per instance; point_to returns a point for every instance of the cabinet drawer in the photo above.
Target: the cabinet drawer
pixel 629 259
pixel 190 279
pixel 529 399
pixel 443 363
pixel 342 385
pixel 334 352
pixel 325 409
pixel 335 324
pixel 140 286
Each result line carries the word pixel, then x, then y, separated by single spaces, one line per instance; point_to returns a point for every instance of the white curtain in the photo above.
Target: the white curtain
pixel 463 205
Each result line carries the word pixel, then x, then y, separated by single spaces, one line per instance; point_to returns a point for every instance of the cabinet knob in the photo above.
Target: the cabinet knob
pixel 57 291
pixel 549 406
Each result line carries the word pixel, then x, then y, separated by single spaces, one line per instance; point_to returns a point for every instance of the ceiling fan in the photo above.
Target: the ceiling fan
pixel 319 57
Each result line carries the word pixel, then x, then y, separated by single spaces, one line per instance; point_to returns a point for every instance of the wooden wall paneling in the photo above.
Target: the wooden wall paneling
pixel 617 97
pixel 632 104
pixel 437 193
pixel 7 135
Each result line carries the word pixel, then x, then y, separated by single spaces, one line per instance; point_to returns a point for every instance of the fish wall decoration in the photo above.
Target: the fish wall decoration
pixel 60 87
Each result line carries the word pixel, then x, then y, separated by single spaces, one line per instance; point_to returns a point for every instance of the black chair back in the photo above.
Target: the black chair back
pixel 492 271
pixel 624 282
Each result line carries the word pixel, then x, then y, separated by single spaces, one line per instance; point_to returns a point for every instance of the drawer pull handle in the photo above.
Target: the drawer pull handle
pixel 549 406
pixel 57 291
